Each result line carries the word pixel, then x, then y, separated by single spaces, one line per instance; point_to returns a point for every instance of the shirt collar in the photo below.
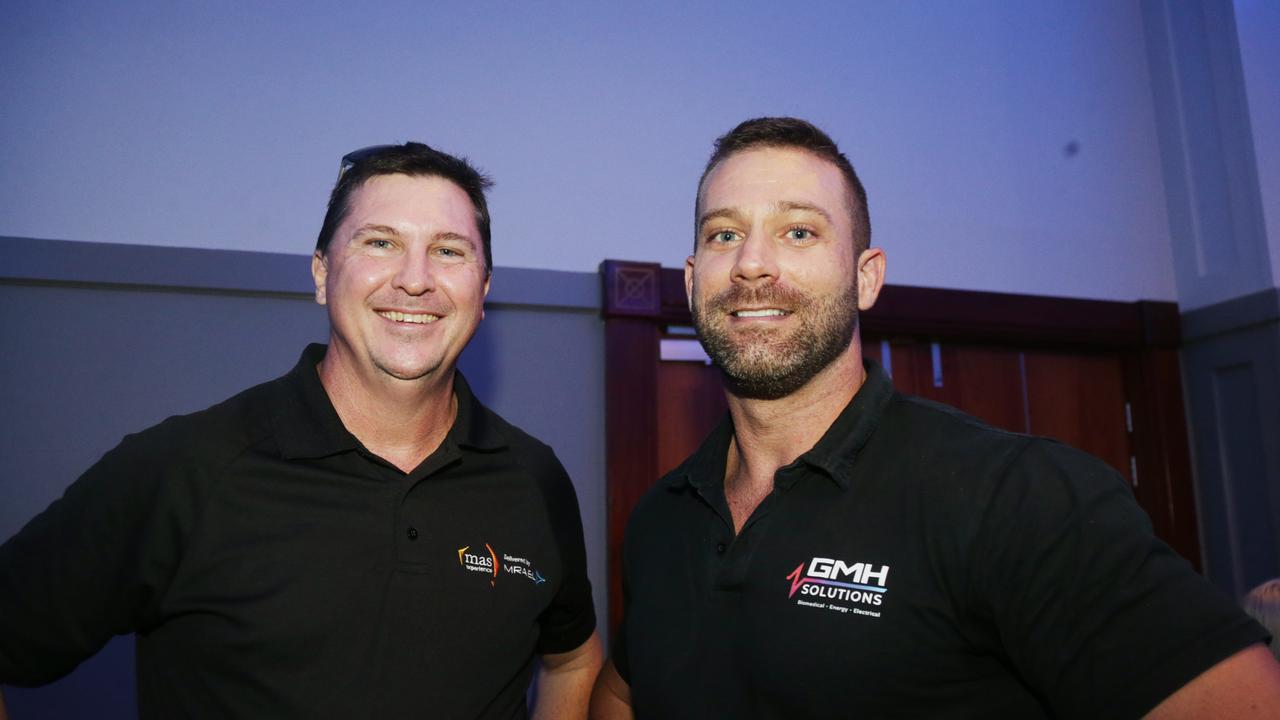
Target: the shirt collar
pixel 834 453
pixel 706 465
pixel 308 426
pixel 476 427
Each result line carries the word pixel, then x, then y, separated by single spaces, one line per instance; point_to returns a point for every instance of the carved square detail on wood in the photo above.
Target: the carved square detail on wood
pixel 632 289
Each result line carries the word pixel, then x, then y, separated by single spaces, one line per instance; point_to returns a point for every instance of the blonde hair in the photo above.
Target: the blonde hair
pixel 1263 604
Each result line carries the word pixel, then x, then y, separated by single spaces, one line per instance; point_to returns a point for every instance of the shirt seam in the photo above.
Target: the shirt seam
pixel 199 518
pixel 981 529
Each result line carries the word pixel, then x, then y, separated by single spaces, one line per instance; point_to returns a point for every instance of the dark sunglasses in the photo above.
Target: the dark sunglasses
pixel 355 156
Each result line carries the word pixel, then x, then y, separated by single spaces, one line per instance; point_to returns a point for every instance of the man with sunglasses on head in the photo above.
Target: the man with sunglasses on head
pixel 359 538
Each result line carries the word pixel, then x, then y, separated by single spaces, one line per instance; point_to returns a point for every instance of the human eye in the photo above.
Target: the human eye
pixel 450 252
pixel 722 237
pixel 800 234
pixel 378 243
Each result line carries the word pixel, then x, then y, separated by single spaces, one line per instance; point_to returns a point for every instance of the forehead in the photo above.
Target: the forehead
pixel 412 201
pixel 767 176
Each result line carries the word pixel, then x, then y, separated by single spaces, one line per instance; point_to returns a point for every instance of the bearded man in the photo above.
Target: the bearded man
pixel 836 549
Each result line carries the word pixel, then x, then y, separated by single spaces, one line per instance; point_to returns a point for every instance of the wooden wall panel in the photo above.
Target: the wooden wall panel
pixel 984 381
pixel 690 403
pixel 1080 400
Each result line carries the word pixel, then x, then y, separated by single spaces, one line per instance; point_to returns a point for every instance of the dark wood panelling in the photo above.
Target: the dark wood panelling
pixel 690 404
pixel 983 380
pixel 1079 399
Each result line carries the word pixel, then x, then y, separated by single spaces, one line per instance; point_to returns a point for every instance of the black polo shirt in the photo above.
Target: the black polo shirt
pixel 914 563
pixel 271 566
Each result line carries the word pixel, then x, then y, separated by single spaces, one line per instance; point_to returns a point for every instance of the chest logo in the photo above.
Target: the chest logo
pixel 838 586
pixel 487 562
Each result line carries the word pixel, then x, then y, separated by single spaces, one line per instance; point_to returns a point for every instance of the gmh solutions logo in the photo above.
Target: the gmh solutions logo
pixel 488 563
pixel 836 585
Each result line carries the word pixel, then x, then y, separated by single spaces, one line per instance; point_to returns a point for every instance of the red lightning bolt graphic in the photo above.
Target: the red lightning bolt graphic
pixel 796 580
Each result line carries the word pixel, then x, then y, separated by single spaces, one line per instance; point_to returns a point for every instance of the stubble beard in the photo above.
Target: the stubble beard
pixel 769 363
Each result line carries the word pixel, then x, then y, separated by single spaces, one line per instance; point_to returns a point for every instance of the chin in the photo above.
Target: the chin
pixel 409 370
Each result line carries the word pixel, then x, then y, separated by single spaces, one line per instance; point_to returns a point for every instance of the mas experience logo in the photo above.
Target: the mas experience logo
pixel 487 562
pixel 836 585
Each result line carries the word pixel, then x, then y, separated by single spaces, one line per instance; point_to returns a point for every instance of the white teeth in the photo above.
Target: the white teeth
pixel 409 318
pixel 771 312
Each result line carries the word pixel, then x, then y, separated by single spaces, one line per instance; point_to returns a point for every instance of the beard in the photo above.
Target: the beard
pixel 766 363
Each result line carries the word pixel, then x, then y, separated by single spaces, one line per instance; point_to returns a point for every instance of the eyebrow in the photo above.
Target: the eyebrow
pixel 782 206
pixel 373 229
pixel 789 206
pixel 718 213
pixel 448 235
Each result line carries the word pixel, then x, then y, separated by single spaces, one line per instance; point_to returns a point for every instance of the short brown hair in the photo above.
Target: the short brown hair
pixel 413 159
pixel 788 132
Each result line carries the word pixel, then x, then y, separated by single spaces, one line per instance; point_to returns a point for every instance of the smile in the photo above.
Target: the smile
pixel 768 312
pixel 421 319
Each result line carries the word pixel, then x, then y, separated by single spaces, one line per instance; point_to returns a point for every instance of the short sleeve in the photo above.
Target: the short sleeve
pixel 93 565
pixel 570 618
pixel 1096 614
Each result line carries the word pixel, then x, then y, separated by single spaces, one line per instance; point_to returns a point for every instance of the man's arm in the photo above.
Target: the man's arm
pixel 564 681
pixel 4 714
pixel 611 699
pixel 1245 685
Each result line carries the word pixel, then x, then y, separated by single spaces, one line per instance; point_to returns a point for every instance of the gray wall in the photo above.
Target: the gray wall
pixel 102 340
pixel 1223 264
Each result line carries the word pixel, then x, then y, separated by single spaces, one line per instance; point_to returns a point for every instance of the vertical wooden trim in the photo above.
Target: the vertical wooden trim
pixel 631 433
pixel 631 303
pixel 1153 381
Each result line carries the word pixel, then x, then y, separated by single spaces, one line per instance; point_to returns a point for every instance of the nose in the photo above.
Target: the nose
pixel 415 274
pixel 757 260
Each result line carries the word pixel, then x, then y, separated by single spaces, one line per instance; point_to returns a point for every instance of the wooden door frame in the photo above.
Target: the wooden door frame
pixel 639 300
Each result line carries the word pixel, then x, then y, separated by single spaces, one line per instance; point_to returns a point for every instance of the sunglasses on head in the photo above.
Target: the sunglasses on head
pixel 355 156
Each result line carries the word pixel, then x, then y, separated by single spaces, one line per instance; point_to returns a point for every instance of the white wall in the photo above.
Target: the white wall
pixel 220 124
pixel 1258 25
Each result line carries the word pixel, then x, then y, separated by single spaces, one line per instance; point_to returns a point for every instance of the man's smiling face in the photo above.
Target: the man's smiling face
pixel 404 278
pixel 773 281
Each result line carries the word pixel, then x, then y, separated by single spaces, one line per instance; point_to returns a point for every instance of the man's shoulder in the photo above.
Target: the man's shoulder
pixel 933 424
pixel 532 456
pixel 664 498
pixel 923 432
pixel 940 451
pixel 951 430
pixel 517 440
pixel 222 430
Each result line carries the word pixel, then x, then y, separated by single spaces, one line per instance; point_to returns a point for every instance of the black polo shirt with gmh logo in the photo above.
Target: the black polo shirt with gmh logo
pixel 272 567
pixel 914 563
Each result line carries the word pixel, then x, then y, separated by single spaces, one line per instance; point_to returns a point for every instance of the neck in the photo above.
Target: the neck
pixel 401 421
pixel 769 434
